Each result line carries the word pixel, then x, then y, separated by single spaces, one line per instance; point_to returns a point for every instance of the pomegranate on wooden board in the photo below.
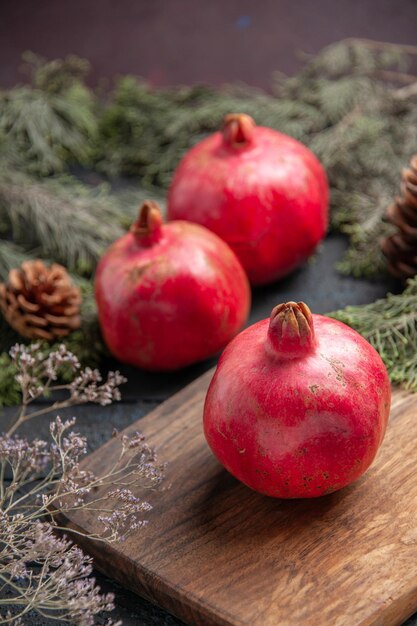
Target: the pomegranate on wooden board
pixel 169 295
pixel 298 405
pixel 261 191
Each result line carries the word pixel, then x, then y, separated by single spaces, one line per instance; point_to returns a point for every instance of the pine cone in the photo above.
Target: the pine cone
pixel 401 248
pixel 40 302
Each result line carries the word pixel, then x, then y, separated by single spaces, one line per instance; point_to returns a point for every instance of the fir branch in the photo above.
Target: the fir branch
pixel 361 218
pixel 390 325
pixel 52 122
pixel 56 76
pixel 382 46
pixel 11 255
pixel 86 342
pixel 47 130
pixel 409 91
pixel 362 128
pixel 41 482
pixel 9 387
pixel 8 337
pixel 62 219
pixel 340 105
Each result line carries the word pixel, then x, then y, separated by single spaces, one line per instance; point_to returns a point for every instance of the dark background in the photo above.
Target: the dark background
pixel 193 41
pixel 189 41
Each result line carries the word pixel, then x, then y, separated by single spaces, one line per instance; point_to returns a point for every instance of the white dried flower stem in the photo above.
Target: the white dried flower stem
pixel 40 570
pixel 37 371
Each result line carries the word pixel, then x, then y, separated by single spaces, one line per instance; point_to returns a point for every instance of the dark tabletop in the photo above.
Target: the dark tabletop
pixel 188 41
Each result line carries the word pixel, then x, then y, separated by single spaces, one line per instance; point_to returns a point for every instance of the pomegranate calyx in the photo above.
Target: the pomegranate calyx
pixel 291 331
pixel 147 227
pixel 237 130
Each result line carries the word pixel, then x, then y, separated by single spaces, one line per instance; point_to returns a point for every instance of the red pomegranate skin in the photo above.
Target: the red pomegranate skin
pixel 169 295
pixel 293 414
pixel 261 191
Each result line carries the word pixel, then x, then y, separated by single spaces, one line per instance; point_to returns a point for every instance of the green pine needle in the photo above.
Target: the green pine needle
pixel 52 122
pixel 9 387
pixel 390 325
pixel 11 255
pixel 62 219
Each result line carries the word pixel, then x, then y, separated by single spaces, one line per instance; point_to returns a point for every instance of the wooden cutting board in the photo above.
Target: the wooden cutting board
pixel 217 554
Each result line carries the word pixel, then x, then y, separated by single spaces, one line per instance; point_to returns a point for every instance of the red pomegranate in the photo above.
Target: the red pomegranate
pixel 263 192
pixel 298 405
pixel 169 294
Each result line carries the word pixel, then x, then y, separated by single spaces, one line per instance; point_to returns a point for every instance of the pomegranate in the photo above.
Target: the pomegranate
pixel 169 294
pixel 263 192
pixel 298 405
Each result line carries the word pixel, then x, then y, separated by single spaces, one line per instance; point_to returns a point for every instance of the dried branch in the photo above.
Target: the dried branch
pixel 39 481
pixel 37 371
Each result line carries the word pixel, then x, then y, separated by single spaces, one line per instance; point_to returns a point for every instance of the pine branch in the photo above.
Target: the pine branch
pixel 52 122
pixel 409 91
pixel 9 387
pixel 86 342
pixel 361 218
pixel 361 127
pixel 340 105
pixel 71 223
pixel 56 76
pixel 11 255
pixel 383 46
pixel 8 337
pixel 47 130
pixel 62 219
pixel 390 325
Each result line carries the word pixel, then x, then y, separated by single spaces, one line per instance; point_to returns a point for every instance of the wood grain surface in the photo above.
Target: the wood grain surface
pixel 217 554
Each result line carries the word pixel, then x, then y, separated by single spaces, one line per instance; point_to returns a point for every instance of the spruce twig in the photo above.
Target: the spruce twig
pixel 340 105
pixel 382 46
pixel 52 121
pixel 63 219
pixel 400 77
pixel 390 325
pixel 11 255
pixel 409 91
pixel 9 387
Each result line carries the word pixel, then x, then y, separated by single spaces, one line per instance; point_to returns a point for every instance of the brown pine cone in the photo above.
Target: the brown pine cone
pixel 401 248
pixel 40 302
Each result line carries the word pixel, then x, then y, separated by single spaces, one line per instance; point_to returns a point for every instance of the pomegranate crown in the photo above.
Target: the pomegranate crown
pixel 147 227
pixel 237 130
pixel 291 331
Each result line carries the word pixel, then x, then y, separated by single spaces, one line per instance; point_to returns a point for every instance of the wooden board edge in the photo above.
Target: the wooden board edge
pixel 191 609
pixel 397 611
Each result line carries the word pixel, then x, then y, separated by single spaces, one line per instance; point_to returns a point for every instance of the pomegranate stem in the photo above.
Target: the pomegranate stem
pixel 147 227
pixel 291 331
pixel 237 130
